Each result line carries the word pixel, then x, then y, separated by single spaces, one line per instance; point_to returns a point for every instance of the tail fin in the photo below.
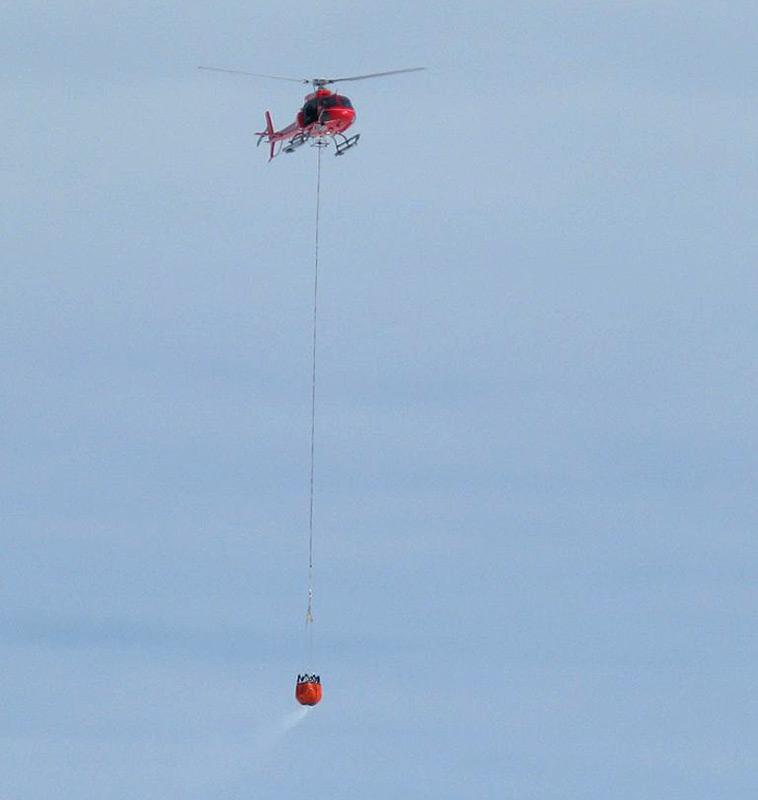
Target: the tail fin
pixel 270 133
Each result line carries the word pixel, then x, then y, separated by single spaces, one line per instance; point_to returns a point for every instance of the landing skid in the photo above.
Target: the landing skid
pixel 341 142
pixel 345 143
pixel 294 143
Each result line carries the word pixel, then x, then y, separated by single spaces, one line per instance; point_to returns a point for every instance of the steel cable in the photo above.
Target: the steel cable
pixel 309 614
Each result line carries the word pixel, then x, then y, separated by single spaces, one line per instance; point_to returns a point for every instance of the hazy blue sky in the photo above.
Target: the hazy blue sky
pixel 536 515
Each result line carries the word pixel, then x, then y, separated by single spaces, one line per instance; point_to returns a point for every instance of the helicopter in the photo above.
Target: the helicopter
pixel 324 115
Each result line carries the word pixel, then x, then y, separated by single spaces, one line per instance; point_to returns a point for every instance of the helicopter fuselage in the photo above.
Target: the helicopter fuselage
pixel 324 114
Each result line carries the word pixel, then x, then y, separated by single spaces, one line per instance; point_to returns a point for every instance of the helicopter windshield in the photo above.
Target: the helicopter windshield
pixel 336 100
pixel 312 108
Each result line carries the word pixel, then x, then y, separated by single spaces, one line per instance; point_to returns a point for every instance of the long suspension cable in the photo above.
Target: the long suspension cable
pixel 309 613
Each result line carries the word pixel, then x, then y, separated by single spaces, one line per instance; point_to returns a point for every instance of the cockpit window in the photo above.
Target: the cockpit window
pixel 310 112
pixel 336 100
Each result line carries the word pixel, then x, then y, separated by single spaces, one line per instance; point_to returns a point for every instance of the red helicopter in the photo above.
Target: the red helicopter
pixel 324 115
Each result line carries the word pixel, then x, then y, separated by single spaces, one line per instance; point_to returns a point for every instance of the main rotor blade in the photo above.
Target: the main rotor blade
pixel 255 74
pixel 374 75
